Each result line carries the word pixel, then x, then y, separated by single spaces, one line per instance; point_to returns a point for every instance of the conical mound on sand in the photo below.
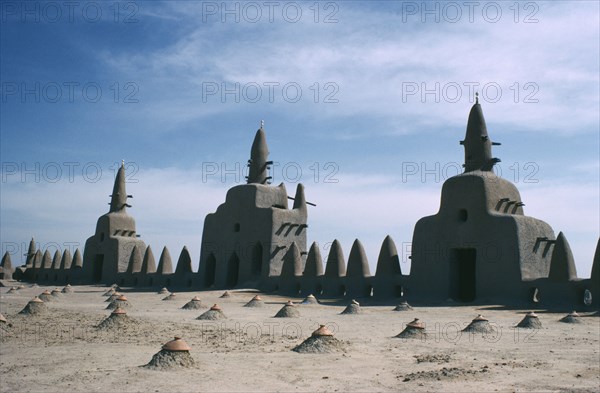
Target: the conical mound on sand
pixel 163 291
pixel 118 319
pixel 352 308
pixel 530 321
pixel 35 307
pixel 310 299
pixel 193 304
pixel 572 317
pixel 121 301
pixel 56 293
pixel 414 329
pixel 321 341
pixel 46 296
pixel 171 296
pixel 256 301
pixel 174 354
pixel 289 310
pixel 403 306
pixel 67 289
pixel 11 290
pixel 225 294
pixel 112 297
pixel 479 325
pixel 214 313
pixel 109 292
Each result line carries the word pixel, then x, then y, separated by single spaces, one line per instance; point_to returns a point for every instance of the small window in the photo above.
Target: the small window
pixel 236 227
pixel 463 215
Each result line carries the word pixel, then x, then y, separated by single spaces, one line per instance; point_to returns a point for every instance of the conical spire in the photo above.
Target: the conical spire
pixel 336 266
pixel 149 264
pixel 314 262
pixel 56 259
pixel 184 263
pixel 66 260
pixel 478 146
pixel 388 262
pixel 37 259
pixel 292 262
pixel 165 265
pixel 30 253
pixel 562 264
pixel 6 265
pixel 135 261
pixel 300 199
pixel 358 265
pixel 46 260
pixel 77 260
pixel 258 163
pixel 119 196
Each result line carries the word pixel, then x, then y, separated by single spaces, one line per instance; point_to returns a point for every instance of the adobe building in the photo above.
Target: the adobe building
pixel 246 239
pixel 109 250
pixel 480 245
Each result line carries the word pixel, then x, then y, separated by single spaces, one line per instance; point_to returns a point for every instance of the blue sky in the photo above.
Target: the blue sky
pixel 177 89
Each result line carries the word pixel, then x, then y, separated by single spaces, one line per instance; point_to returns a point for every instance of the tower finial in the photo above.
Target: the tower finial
pixel 262 124
pixel 477 97
pixel 122 162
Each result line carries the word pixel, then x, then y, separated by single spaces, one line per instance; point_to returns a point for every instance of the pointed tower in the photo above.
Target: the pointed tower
pixel 562 264
pixel 245 240
pixel 66 260
pixel 595 275
pixel 149 264
pixel 314 262
pixel 184 263
pixel 6 270
pixel 118 201
pixel 335 271
pixel 358 265
pixel 258 163
pixel 135 261
pixel 165 265
pixel 56 259
pixel 478 146
pixel 30 254
pixel 77 260
pixel 108 251
pixel 388 273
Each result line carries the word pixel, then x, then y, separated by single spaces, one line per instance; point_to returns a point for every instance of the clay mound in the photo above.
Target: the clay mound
pixel 193 304
pixel 46 297
pixel 171 296
pixel 288 311
pixel 352 308
pixel 113 297
pixel 531 321
pixel 414 329
pixel 111 291
pixel 33 286
pixel 321 341
pixel 165 360
pixel 573 317
pixel 67 289
pixel 225 294
pixel 479 325
pixel 118 303
pixel 3 320
pixel 310 299
pixel 11 290
pixel 34 307
pixel 213 314
pixel 56 293
pixel 404 306
pixel 21 286
pixel 163 291
pixel 255 302
pixel 116 321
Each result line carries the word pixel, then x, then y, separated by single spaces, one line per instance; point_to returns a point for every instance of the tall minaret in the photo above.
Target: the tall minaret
pixel 258 163
pixel 478 146
pixel 119 196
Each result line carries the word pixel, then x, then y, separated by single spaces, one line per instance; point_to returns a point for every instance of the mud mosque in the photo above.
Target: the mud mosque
pixel 479 247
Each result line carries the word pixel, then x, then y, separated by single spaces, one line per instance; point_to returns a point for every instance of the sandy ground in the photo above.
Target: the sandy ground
pixel 62 351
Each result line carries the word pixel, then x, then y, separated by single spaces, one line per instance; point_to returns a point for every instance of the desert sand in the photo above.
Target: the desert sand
pixel 63 351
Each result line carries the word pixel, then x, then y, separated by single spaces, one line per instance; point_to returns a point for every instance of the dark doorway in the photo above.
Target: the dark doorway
pixel 98 264
pixel 257 256
pixel 462 274
pixel 233 268
pixel 210 270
